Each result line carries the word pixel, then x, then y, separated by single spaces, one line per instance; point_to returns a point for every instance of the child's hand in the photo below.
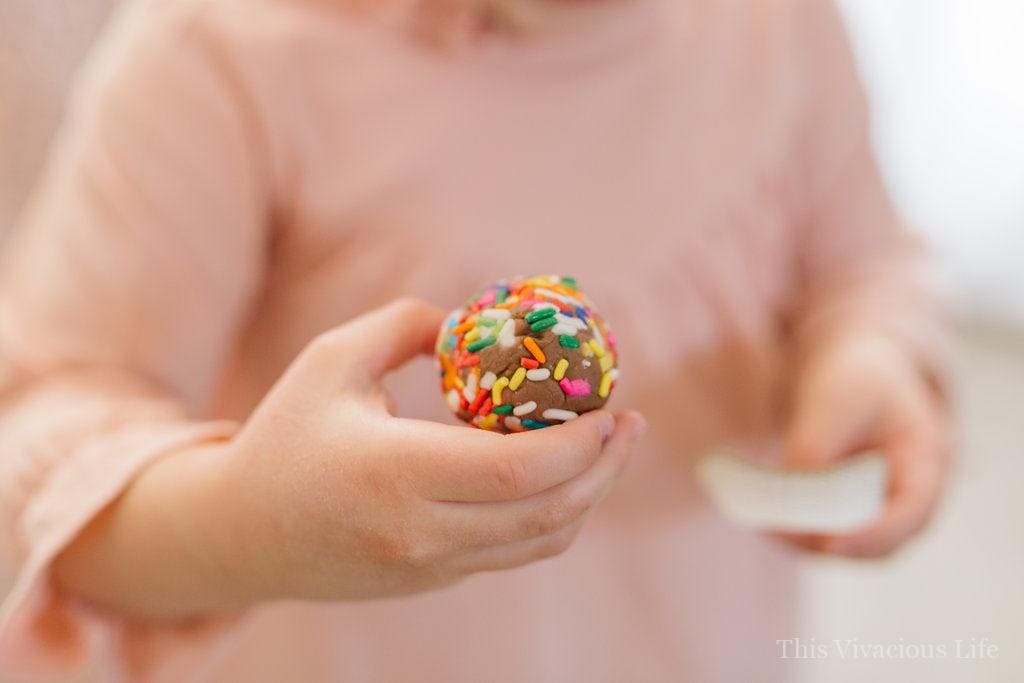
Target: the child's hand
pixel 864 393
pixel 342 500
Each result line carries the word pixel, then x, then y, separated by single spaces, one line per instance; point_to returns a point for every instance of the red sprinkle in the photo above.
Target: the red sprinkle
pixel 485 409
pixel 463 403
pixel 467 359
pixel 530 363
pixel 478 401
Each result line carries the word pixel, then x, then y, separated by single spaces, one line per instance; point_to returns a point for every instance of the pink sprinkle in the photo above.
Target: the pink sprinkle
pixel 610 338
pixel 575 387
pixel 529 302
pixel 487 299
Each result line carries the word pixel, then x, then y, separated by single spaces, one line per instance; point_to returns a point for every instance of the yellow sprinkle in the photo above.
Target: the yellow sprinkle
pixel 607 362
pixel 560 369
pixel 459 383
pixel 517 378
pixel 534 349
pixel 595 347
pixel 587 351
pixel 499 385
pixel 606 385
pixel 488 422
pixel 472 335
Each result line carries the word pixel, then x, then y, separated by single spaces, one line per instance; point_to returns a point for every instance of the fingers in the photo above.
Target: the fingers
pixel 546 513
pixel 917 472
pixel 824 430
pixel 472 466
pixel 367 347
pixel 512 555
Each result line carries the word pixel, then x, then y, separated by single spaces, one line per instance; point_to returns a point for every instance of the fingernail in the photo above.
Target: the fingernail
pixel 606 424
pixel 641 425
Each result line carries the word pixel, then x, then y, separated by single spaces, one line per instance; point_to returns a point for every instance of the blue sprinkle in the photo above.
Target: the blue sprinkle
pixel 452 341
pixel 581 312
pixel 534 424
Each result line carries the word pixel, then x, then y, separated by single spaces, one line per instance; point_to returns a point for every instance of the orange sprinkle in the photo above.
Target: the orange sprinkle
pixel 464 327
pixel 532 347
pixel 529 363
pixel 446 363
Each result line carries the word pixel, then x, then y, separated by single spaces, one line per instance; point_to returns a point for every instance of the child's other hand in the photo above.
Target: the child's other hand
pixel 339 499
pixel 864 393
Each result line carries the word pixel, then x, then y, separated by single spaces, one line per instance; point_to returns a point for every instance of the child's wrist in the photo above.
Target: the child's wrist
pixel 223 538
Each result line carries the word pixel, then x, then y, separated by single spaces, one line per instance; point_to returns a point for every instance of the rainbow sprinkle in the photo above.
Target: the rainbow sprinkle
pixel 499 352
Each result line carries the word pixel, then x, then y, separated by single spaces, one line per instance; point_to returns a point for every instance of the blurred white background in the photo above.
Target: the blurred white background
pixel 946 78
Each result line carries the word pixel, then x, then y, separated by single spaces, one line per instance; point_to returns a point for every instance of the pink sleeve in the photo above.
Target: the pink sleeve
pixel 121 295
pixel 858 264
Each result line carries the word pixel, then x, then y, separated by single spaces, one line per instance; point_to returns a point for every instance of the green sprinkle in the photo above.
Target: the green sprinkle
pixel 481 344
pixel 569 282
pixel 503 409
pixel 543 323
pixel 486 322
pixel 539 314
pixel 502 295
pixel 568 342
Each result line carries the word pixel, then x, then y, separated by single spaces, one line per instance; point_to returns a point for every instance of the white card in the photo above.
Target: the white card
pixel 837 500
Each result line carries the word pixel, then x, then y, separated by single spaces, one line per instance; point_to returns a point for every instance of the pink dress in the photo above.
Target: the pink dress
pixel 238 175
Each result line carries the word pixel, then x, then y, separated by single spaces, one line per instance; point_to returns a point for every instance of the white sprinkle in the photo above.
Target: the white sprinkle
pixel 586 363
pixel 524 408
pixel 542 305
pixel 513 423
pixel 538 374
pixel 470 391
pixel 488 380
pixel 562 328
pixel 614 372
pixel 570 320
pixel 555 295
pixel 559 414
pixel 496 313
pixel 507 335
pixel 453 400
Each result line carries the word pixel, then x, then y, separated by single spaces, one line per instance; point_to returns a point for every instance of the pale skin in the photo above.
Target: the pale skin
pixel 326 495
pixel 860 391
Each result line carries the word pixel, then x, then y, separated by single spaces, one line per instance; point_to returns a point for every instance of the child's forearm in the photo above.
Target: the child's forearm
pixel 168 548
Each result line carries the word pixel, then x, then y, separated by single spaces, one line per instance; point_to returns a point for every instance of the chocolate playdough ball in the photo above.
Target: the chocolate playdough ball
pixel 526 353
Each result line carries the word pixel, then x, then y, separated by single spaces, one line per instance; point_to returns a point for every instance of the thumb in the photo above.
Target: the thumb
pixel 828 423
pixel 382 339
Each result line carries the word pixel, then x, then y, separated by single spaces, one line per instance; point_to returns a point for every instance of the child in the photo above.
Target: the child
pixel 200 475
